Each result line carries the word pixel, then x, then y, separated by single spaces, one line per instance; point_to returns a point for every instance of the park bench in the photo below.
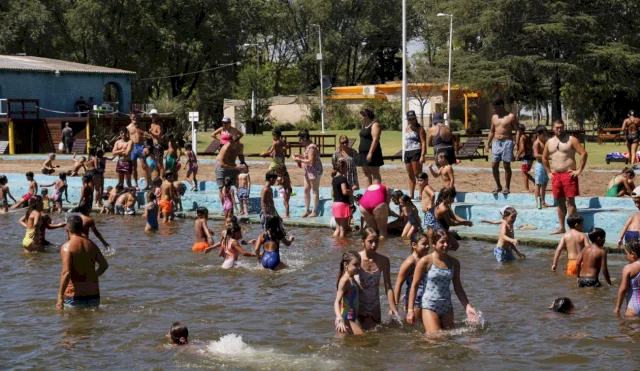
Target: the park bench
pixel 213 148
pixel 326 144
pixel 397 156
pixel 615 134
pixel 470 149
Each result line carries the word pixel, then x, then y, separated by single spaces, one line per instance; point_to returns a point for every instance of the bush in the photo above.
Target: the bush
pixel 456 125
pixel 305 124
pixel 339 117
pixel 283 126
pixel 388 113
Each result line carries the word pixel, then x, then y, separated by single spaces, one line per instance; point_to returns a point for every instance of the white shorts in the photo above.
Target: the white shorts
pixel 229 263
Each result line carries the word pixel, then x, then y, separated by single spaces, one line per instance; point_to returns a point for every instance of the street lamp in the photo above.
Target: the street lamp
pixel 450 49
pixel 253 103
pixel 319 58
pixel 404 74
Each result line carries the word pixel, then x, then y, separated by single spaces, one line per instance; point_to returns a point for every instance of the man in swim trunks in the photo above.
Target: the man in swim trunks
pixel 631 229
pixel 155 131
pixel 123 148
pixel 503 124
pixel 561 149
pixel 574 241
pixel 592 260
pixel 167 196
pixel 226 162
pixel 137 137
pixel 79 285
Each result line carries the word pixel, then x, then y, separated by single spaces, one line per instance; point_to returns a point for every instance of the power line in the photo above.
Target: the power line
pixel 195 72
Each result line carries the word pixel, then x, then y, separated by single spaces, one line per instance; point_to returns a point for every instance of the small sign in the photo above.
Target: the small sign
pixel 194 116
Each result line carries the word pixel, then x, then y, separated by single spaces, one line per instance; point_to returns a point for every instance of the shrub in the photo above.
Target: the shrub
pixel 388 113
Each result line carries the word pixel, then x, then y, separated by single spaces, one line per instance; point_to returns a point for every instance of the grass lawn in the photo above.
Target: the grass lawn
pixel 391 143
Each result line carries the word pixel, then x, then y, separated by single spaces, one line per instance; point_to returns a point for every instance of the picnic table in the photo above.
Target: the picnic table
pixel 326 143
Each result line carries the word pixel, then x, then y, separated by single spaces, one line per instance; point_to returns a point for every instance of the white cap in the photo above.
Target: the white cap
pixel 636 192
pixel 226 119
pixel 504 208
pixel 153 112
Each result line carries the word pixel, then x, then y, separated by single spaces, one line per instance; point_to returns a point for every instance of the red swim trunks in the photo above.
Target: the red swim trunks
pixel 526 166
pixel 564 185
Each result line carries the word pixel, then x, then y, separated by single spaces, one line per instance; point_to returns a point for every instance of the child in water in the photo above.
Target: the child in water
pixel 631 229
pixel 179 334
pixel 60 189
pixel 592 260
pixel 436 271
pixel 374 266
pixel 506 241
pixel 192 167
pixel 574 241
pixel 151 213
pixel 419 248
pixel 204 236
pixel 630 284
pixel 228 197
pixel 46 201
pixel 5 194
pixel 229 247
pixel 270 242
pixel 413 219
pixel 347 303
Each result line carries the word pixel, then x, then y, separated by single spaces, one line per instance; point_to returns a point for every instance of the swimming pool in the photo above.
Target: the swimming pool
pixel 253 319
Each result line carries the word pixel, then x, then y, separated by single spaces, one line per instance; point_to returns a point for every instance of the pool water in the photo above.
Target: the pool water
pixel 252 319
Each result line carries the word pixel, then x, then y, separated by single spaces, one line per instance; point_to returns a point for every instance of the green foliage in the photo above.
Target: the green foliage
pixel 388 113
pixel 338 116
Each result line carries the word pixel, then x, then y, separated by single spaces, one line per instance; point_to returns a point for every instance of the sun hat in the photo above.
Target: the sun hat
pixel 437 118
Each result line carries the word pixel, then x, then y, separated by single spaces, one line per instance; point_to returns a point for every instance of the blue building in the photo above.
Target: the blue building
pixel 38 95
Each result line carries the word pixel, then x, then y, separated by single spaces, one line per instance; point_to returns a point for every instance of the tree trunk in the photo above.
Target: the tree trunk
pixel 546 113
pixel 556 103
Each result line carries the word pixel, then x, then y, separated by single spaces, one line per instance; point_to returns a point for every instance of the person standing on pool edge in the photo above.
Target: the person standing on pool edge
pixel 631 125
pixel 369 147
pixel 503 124
pixel 79 285
pixel 561 149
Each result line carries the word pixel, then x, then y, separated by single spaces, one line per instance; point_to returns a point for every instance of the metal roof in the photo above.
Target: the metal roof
pixel 25 63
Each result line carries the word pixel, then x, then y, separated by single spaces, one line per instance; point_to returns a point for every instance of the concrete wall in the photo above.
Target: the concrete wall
pixel 61 93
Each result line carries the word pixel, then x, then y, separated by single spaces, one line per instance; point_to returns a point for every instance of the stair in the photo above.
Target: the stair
pixel 3 146
pixel 55 134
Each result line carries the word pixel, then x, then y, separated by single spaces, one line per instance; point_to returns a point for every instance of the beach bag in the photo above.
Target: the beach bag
pixel 60 146
pixel 614 156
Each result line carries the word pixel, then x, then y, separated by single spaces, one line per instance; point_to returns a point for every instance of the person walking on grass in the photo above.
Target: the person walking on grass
pixel 562 149
pixel 503 124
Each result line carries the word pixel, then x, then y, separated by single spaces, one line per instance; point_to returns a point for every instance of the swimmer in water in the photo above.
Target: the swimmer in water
pixel 374 266
pixel 151 213
pixel 506 241
pixel 562 305
pixel 230 248
pixel 347 303
pixel 413 219
pixel 592 260
pixel 630 284
pixel 419 248
pixel 5 194
pixel 33 221
pixel 179 334
pixel 631 229
pixel 204 236
pixel 573 241
pixel 437 270
pixel 270 242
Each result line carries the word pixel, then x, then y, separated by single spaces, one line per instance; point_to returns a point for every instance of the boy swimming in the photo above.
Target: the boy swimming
pixel 204 236
pixel 573 241
pixel 592 260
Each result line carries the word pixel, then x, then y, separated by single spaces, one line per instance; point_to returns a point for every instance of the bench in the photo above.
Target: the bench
pixel 212 148
pixel 397 156
pixel 326 144
pixel 470 149
pixel 615 134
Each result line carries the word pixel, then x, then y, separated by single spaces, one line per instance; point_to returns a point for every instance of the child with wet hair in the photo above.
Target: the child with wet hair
pixel 562 305
pixel 347 303
pixel 413 219
pixel 419 248
pixel 592 260
pixel 203 235
pixel 179 334
pixel 630 283
pixel 506 241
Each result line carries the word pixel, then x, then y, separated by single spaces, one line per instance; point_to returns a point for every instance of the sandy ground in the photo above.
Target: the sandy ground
pixel 591 183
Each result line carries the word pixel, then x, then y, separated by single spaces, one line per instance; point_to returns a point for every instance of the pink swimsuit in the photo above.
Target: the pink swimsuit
pixel 371 199
pixel 224 138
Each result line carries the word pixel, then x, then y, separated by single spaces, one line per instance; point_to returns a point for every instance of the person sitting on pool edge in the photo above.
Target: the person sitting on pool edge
pixel 592 260
pixel 79 278
pixel 574 241
pixel 631 229
pixel 621 184
pixel 33 191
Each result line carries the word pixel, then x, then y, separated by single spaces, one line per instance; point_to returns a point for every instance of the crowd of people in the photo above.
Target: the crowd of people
pixel 428 272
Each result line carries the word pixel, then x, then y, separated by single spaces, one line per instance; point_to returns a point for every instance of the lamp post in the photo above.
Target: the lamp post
pixel 253 104
pixel 404 74
pixel 319 58
pixel 450 49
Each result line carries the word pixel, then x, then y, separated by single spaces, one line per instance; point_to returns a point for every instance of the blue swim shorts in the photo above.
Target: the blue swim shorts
pixel 137 152
pixel 89 301
pixel 540 174
pixel 502 254
pixel 502 150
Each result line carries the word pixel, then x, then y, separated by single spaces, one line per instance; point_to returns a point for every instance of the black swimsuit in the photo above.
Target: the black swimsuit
pixel 631 137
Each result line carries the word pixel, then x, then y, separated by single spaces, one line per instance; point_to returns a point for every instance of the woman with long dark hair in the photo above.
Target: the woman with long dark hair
pixel 369 148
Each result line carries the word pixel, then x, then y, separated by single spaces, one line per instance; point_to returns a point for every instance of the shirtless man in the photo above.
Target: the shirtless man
pixel 632 126
pixel 574 241
pixel 88 224
pixel 123 148
pixel 155 131
pixel 226 162
pixel 561 149
pixel 268 208
pixel 79 285
pixel 137 137
pixel 503 124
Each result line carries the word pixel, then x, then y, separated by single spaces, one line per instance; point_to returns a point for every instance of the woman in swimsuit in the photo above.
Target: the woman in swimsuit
pixel 312 167
pixel 192 167
pixel 413 219
pixel 621 184
pixel 5 194
pixel 374 266
pixel 436 271
pixel 226 131
pixel 369 148
pixel 415 141
pixel 630 125
pixel 270 242
pixel 630 285
pixel 347 303
pixel 33 217
pixel 374 208
pixel 419 248
pixel 60 188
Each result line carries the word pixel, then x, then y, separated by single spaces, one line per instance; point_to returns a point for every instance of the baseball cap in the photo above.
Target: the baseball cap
pixel 226 119
pixel 153 112
pixel 411 115
pixel 505 207
pixel 636 192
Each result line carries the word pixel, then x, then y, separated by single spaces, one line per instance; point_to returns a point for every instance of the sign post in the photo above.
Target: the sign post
pixel 193 118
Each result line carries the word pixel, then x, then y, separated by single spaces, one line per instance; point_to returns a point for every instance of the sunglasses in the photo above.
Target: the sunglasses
pixel 344 142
